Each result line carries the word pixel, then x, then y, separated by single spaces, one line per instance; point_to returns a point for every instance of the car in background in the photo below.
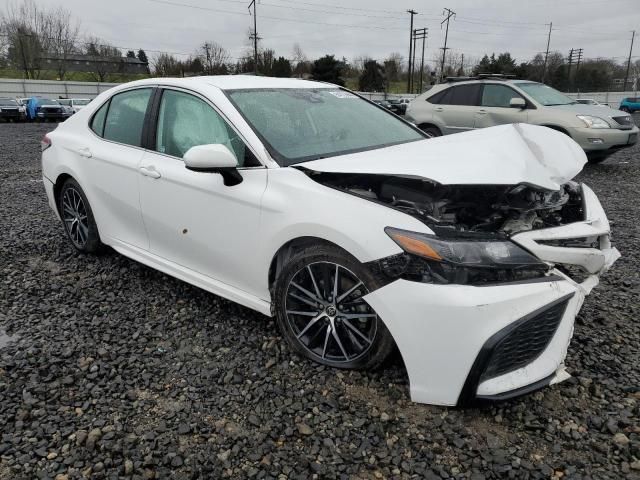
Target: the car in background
pixel 397 106
pixel 451 250
pixel 467 103
pixel 630 104
pixel 383 103
pixel 11 111
pixel 589 101
pixel 41 109
pixel 75 104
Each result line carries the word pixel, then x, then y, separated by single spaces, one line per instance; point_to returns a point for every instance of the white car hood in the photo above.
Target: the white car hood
pixel 503 155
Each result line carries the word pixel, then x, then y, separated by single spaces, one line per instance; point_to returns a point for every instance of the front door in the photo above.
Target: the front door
pixel 495 107
pixel 192 218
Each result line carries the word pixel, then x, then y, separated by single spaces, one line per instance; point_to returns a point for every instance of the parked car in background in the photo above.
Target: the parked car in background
pixel 75 104
pixel 630 104
pixel 383 103
pixel 468 103
pixel 589 101
pixel 46 109
pixel 11 111
pixel 397 106
pixel 452 250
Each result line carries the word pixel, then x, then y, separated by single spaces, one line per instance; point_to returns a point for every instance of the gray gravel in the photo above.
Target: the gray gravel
pixel 114 370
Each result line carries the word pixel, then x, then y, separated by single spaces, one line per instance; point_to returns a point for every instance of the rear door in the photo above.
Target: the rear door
pixel 112 157
pixel 495 106
pixel 457 107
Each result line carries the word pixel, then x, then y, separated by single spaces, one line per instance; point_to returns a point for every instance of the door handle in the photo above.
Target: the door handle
pixel 482 110
pixel 84 152
pixel 439 109
pixel 150 171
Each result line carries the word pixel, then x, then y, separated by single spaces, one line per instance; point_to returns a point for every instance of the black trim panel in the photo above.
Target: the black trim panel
pixel 468 395
pixel 533 387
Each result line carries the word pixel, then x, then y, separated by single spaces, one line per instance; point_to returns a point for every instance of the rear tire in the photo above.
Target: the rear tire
pixel 431 130
pixel 340 331
pixel 77 218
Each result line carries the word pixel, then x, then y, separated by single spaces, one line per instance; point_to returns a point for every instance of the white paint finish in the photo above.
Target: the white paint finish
pixel 195 221
pixel 440 330
pixel 209 156
pixel 503 155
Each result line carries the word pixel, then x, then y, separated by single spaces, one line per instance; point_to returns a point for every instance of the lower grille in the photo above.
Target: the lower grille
pixel 525 340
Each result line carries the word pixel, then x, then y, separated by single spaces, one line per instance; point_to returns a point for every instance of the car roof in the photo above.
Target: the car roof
pixel 236 82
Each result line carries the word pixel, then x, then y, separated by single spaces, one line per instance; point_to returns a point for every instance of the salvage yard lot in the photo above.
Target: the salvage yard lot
pixel 115 370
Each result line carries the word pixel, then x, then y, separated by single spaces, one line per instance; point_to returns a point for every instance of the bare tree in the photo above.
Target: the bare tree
pixel 301 65
pixel 393 66
pixel 102 58
pixel 166 65
pixel 64 37
pixel 214 57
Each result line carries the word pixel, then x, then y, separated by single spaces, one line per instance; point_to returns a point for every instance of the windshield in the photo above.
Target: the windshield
pixel 79 101
pixel 64 102
pixel 303 124
pixel 7 102
pixel 47 101
pixel 545 95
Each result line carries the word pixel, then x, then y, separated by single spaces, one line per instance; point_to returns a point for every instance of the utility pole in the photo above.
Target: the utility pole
pixel 569 71
pixel 24 58
pixel 626 77
pixel 255 37
pixel 577 53
pixel 410 65
pixel 546 54
pixel 449 13
pixel 419 34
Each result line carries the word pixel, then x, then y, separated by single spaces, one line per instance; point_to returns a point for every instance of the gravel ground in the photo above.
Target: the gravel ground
pixel 113 370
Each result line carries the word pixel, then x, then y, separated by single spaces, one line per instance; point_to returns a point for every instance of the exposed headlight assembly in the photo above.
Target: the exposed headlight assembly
pixel 593 122
pixel 465 261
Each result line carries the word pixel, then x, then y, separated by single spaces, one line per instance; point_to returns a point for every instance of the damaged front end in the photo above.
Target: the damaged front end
pixel 475 227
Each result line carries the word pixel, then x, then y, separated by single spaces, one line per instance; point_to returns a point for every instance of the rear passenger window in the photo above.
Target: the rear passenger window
pixel 125 117
pixel 437 98
pixel 465 95
pixel 97 124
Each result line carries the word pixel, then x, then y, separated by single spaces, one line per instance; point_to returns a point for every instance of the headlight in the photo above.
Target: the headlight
pixel 463 260
pixel 593 122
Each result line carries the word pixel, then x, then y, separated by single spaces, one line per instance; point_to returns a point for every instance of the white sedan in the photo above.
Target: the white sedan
pixel 471 254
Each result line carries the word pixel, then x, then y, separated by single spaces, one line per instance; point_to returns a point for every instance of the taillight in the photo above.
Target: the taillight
pixel 45 143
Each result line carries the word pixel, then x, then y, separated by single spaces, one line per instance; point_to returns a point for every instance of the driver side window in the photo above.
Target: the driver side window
pixel 185 121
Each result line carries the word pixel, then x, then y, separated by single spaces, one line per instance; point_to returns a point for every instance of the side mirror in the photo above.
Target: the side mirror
pixel 517 102
pixel 213 158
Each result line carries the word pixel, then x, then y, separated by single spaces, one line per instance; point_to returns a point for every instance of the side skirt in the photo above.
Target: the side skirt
pixel 187 275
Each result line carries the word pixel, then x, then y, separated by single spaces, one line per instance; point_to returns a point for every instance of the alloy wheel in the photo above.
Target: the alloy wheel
pixel 74 215
pixel 327 313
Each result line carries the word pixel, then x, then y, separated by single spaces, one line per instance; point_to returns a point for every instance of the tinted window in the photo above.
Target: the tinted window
pixel 465 95
pixel 8 102
pixel 126 117
pixel 185 121
pixel 437 98
pixel 97 124
pixel 498 96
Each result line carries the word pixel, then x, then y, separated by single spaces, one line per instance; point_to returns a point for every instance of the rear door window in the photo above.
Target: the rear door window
pixel 125 117
pixel 465 95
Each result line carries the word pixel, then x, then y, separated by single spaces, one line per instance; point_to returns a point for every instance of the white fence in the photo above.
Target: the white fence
pixel 18 88
pixel 612 99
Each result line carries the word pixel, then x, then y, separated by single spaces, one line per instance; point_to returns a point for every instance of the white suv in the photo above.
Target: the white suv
pixel 468 103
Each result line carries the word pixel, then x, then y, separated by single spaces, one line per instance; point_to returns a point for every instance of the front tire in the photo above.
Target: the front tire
pixel 321 312
pixel 595 158
pixel 77 218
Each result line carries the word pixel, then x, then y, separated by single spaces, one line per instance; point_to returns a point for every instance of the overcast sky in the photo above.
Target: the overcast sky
pixel 364 27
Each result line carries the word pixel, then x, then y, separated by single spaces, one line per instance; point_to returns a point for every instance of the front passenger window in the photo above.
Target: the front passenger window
pixel 498 96
pixel 186 121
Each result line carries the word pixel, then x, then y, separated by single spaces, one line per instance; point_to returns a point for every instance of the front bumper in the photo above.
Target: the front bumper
pixel 448 335
pixel 596 139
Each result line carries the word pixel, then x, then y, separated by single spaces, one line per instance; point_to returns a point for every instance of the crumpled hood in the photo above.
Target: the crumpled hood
pixel 502 155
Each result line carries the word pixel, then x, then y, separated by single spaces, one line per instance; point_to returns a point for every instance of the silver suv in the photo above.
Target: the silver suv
pixel 466 103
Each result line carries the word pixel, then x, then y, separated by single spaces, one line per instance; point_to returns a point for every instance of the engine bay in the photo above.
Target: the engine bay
pixel 465 209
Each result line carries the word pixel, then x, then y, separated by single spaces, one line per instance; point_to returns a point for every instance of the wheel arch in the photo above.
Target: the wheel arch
pixel 557 128
pixel 289 248
pixel 57 187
